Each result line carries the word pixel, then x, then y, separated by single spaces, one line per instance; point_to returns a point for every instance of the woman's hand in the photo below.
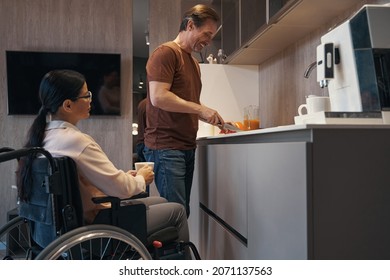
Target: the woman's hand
pixel 148 174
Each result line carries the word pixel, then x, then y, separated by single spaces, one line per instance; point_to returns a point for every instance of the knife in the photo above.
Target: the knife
pixel 230 127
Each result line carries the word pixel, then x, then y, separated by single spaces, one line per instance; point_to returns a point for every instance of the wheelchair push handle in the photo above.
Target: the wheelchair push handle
pixel 9 154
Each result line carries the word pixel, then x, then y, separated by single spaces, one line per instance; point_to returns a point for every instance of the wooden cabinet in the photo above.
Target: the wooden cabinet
pixel 241 20
pixel 286 22
pixel 275 6
pixel 230 38
pixel 248 210
pixel 277 196
pixel 253 16
pixel 255 30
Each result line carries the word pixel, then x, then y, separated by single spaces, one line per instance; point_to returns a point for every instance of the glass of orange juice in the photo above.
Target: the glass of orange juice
pixel 251 117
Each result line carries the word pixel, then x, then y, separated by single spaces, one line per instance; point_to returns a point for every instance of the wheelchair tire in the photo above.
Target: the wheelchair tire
pixel 15 241
pixel 96 242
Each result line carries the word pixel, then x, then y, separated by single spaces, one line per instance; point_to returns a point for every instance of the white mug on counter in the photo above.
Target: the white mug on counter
pixel 315 104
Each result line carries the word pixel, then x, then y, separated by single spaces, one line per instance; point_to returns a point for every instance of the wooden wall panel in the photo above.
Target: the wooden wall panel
pixel 70 26
pixel 282 85
pixel 164 21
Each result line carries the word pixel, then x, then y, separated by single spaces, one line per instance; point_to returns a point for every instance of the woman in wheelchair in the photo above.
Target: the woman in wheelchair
pixel 65 101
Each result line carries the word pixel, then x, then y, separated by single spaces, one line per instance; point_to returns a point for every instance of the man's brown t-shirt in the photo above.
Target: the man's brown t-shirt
pixel 170 130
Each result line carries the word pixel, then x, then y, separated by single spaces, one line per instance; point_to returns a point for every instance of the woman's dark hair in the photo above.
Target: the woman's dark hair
pixel 199 14
pixel 55 87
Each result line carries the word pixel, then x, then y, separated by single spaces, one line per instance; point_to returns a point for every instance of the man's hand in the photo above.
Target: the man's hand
pixel 210 116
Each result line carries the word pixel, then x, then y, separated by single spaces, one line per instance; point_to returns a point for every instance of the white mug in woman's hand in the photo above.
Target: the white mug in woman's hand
pixel 138 165
pixel 315 104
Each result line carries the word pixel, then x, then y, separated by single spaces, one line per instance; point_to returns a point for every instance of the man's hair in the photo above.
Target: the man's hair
pixel 199 14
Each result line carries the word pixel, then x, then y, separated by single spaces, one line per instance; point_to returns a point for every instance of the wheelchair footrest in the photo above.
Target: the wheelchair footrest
pixel 174 250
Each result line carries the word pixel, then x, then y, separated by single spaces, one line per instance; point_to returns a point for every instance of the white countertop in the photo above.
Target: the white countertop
pixel 293 127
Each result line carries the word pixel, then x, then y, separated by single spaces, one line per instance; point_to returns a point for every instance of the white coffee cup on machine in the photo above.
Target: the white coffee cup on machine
pixel 315 104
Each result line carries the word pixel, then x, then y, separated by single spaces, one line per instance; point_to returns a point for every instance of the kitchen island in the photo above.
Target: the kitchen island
pixel 295 192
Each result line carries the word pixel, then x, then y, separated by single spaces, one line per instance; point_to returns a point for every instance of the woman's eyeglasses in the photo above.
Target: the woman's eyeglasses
pixel 87 96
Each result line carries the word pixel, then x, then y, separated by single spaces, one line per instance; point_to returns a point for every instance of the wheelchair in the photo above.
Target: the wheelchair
pixel 51 225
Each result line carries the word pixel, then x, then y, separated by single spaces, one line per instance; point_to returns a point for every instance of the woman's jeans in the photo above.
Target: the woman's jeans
pixel 174 170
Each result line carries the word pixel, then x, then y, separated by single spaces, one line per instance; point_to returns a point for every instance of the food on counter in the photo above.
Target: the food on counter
pixel 232 127
pixel 226 131
pixel 239 125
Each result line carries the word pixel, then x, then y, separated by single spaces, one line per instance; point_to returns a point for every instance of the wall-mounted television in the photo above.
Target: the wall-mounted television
pixel 25 70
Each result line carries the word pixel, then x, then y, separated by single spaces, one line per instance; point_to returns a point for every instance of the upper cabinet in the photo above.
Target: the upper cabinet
pixel 230 31
pixel 239 22
pixel 253 15
pixel 254 30
pixel 276 6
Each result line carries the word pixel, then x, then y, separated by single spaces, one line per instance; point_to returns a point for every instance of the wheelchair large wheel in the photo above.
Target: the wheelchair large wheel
pixel 96 242
pixel 15 241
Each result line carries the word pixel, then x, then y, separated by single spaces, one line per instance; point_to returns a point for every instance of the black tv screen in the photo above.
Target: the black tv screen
pixel 25 70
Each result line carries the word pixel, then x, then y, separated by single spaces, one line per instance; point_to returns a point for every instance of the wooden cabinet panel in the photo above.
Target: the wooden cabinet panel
pixel 274 6
pixel 277 201
pixel 230 26
pixel 224 193
pixel 218 243
pixel 253 201
pixel 253 16
pixel 304 16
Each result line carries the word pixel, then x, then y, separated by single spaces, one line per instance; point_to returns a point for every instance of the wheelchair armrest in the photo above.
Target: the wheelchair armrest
pixel 116 200
pixel 105 199
pixel 140 195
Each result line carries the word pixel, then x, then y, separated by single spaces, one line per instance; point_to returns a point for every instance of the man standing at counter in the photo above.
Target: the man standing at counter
pixel 173 105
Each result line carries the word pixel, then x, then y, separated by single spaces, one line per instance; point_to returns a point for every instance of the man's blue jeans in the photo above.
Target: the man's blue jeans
pixel 174 170
pixel 140 151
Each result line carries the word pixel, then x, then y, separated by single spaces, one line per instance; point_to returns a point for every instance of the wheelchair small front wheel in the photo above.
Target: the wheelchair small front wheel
pixel 96 242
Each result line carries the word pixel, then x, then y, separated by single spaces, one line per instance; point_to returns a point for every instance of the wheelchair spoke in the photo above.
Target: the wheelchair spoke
pixel 14 240
pixel 103 253
pixel 97 241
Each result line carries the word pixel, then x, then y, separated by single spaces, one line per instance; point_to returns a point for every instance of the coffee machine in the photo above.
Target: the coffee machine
pixel 353 61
